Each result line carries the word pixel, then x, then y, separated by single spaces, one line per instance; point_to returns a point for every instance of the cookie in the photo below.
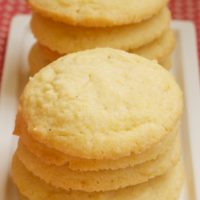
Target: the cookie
pixel 48 53
pixel 167 63
pixel 51 156
pixel 164 187
pixel 159 49
pixel 101 104
pixel 104 180
pixel 36 59
pixel 67 39
pixel 44 56
pixel 21 197
pixel 98 13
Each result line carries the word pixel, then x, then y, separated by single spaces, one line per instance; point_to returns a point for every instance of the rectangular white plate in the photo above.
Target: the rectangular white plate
pixel 15 76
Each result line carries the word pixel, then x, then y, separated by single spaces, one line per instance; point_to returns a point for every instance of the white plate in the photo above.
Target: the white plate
pixel 15 76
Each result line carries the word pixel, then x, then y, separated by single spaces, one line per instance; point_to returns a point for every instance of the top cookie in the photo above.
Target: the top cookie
pixel 101 103
pixel 98 13
pixel 67 39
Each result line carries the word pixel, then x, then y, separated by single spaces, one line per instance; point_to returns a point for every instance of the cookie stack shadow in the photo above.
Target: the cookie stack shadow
pixel 62 28
pixel 108 134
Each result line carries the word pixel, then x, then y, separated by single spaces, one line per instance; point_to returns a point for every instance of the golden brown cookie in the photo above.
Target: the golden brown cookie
pixel 103 180
pixel 97 13
pixel 66 39
pixel 52 156
pixel 164 187
pixel 36 59
pixel 167 63
pixel 159 49
pixel 101 104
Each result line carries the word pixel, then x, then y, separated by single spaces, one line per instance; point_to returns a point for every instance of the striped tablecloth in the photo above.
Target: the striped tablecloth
pixel 181 9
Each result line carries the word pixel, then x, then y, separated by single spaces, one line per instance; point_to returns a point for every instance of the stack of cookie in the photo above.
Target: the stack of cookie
pixel 99 124
pixel 62 27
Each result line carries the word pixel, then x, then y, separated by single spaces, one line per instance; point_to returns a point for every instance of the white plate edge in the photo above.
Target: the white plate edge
pixel 192 96
pixel 9 85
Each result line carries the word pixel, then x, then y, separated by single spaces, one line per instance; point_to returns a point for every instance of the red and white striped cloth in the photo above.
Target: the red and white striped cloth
pixel 181 9
pixel 187 10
